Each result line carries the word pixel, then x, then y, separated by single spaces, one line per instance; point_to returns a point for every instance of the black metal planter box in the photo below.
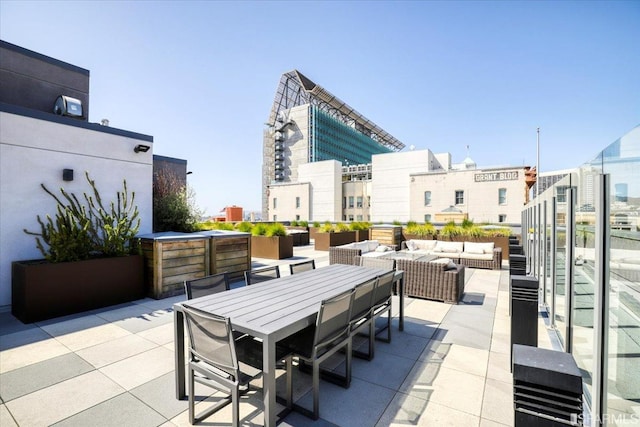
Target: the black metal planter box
pixel 41 290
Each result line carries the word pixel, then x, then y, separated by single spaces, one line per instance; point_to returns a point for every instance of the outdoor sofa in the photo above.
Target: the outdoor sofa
pixel 441 279
pixel 345 254
pixel 470 254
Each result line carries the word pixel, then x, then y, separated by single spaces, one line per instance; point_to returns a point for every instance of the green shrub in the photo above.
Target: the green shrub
pixel 342 227
pixel 316 224
pixel 95 229
pixel 259 229
pixel 303 223
pixel 244 226
pixel 174 206
pixel 421 230
pixel 276 229
pixel 327 227
pixel 293 223
pixel 450 229
pixel 359 226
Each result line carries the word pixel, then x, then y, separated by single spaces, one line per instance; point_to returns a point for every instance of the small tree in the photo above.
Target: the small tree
pixel 174 207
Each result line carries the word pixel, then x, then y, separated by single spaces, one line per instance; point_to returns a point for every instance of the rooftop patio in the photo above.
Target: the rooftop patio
pixel 115 366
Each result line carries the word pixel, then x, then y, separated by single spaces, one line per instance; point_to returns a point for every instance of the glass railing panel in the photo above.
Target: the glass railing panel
pixel 560 297
pixel 621 160
pixel 584 277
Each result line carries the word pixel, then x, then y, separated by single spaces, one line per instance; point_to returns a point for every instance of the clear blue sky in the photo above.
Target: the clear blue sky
pixel 200 77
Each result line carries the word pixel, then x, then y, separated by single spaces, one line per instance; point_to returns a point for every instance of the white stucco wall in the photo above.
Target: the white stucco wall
pixel 286 194
pixel 390 188
pixel 325 179
pixel 34 152
pixel 480 195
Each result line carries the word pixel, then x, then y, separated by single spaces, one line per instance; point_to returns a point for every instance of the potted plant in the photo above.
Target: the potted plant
pixel 362 230
pixel 271 241
pixel 91 257
pixel 413 230
pixel 333 235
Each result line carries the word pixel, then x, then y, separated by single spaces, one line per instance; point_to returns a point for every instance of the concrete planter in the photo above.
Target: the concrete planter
pixel 42 290
pixel 324 241
pixel 274 247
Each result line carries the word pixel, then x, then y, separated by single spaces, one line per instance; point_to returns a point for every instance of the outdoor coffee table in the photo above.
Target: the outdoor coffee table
pixel 271 311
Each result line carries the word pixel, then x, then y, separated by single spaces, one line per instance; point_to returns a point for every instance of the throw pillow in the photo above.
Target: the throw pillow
pixel 450 266
pixel 382 248
pixel 411 245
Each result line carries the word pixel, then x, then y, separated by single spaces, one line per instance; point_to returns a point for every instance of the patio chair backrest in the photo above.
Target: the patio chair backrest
pixel 384 289
pixel 211 340
pixel 207 285
pixel 384 264
pixel 259 275
pixel 333 319
pixel 363 299
pixel 302 266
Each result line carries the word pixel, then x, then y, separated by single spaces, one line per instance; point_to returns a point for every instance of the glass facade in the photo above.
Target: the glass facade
pixel 583 235
pixel 330 139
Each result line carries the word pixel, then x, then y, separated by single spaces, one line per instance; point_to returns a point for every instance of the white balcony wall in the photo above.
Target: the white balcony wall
pixel 34 152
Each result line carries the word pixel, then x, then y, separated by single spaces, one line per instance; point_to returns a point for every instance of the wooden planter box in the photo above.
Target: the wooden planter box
pixel 171 258
pixel 387 234
pixel 42 290
pixel 274 247
pixel 229 251
pixel 324 241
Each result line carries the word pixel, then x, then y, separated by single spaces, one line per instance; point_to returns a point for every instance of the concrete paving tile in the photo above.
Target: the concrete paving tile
pixel 468 330
pixel 395 368
pixel 141 368
pixel 499 368
pixel 160 335
pixel 361 405
pixel 9 324
pixel 161 304
pixel 408 410
pixel 28 347
pixel 146 321
pixel 6 420
pixel 295 419
pixel 37 376
pixel 497 404
pixel 432 311
pixel 84 332
pixel 122 410
pixel 115 350
pixel 160 394
pixel 123 311
pixel 404 344
pixel 415 327
pixel 488 423
pixel 448 387
pixel 63 400
pixel 454 356
pixel 70 324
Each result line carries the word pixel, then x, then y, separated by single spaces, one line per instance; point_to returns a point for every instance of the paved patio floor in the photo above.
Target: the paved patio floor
pixel 115 367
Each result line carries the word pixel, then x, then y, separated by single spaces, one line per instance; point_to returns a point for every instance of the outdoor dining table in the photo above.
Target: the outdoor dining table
pixel 273 310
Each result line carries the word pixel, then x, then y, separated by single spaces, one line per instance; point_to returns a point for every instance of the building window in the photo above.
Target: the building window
pixel 350 201
pixel 344 202
pixel 358 217
pixel 275 217
pixel 344 217
pixel 502 196
pixel 359 202
pixel 561 194
pixel 350 217
pixel 275 203
pixel 459 197
pixel 297 217
pixel 368 201
pixel 502 218
pixel 297 202
pixel 427 198
pixel 427 218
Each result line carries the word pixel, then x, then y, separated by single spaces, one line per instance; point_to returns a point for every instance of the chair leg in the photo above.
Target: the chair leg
pixel 191 391
pixel 348 366
pixel 289 373
pixel 235 406
pixel 316 390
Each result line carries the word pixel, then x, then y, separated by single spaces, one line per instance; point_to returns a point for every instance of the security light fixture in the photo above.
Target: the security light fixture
pixel 67 174
pixel 141 148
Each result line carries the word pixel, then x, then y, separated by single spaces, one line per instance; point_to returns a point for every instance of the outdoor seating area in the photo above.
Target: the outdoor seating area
pixel 448 365
pixel 471 254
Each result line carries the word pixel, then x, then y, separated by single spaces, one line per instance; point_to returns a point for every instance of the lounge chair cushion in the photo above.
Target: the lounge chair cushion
pixel 448 247
pixel 478 248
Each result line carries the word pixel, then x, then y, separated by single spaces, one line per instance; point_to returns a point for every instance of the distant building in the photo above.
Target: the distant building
pixel 307 124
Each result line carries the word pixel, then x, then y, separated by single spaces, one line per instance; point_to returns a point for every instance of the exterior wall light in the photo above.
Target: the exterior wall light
pixel 141 148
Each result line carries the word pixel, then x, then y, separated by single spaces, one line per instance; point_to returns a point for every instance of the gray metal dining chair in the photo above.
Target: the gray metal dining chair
pixel 382 303
pixel 318 342
pixel 215 358
pixel 375 262
pixel 206 285
pixel 361 315
pixel 302 266
pixel 259 275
